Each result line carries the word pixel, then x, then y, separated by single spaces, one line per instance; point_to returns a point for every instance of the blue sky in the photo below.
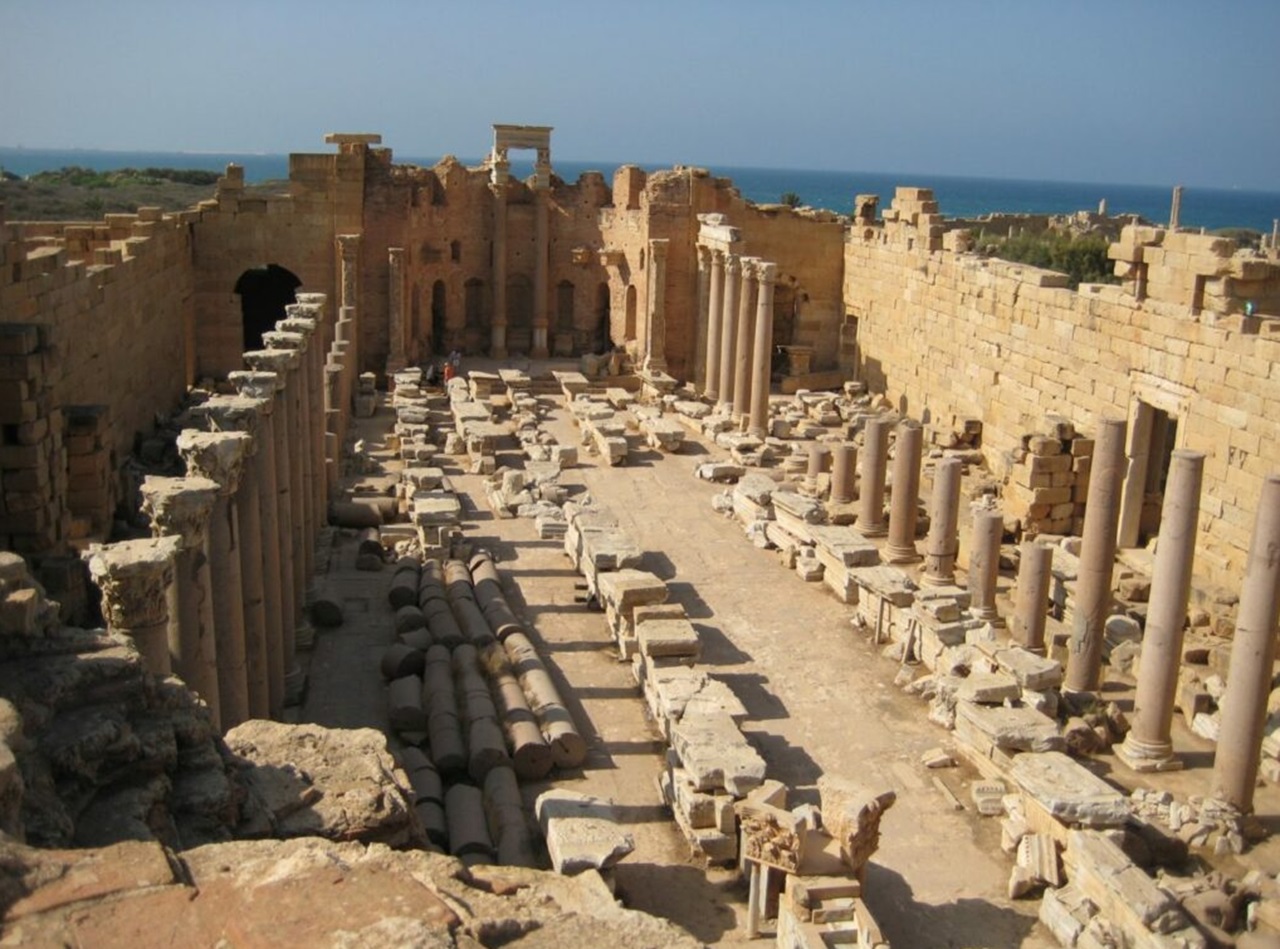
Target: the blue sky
pixel 1084 90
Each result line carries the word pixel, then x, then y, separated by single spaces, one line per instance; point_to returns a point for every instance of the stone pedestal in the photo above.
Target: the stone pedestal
pixel 135 577
pixel 1148 746
pixel 905 502
pixel 714 303
pixel 181 507
pixel 844 462
pixel 875 460
pixel 762 350
pixel 1097 558
pixel 220 456
pixel 943 541
pixel 1032 605
pixel 1253 653
pixel 729 330
pixel 984 565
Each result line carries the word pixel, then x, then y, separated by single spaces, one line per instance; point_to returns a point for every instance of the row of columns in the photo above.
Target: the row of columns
pixel 499 179
pixel 233 543
pixel 739 322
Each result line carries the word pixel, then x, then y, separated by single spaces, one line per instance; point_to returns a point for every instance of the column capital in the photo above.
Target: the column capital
pixel 276 361
pixel 134 577
pixel 218 456
pixel 180 507
pixel 732 264
pixel 349 244
pixel 766 271
pixel 257 385
pixel 286 339
pixel 395 255
pixel 233 413
pixel 658 248
pixel 309 298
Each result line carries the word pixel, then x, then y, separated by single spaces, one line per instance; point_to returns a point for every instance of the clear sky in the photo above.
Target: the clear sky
pixel 1148 91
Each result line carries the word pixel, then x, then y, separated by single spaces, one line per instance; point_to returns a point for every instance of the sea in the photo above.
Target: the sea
pixel 958 197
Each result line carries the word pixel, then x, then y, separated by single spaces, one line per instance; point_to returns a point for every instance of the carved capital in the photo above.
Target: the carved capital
pixel 297 323
pixel 318 300
pixel 218 456
pixel 349 246
pixel 766 271
pixel 732 265
pixel 285 339
pixel 278 361
pixel 180 507
pixel 257 385
pixel 232 413
pixel 134 576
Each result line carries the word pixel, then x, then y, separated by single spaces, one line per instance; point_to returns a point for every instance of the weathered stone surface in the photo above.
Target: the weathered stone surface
pixel 1010 729
pixel 305 780
pixel 716 754
pixel 1030 670
pixel 1068 791
pixel 582 832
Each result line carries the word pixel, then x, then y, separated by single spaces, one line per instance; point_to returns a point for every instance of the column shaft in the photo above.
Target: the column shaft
pixel 905 502
pixel 498 331
pixel 1148 746
pixel 395 309
pixel 729 331
pixel 844 462
pixel 1097 558
pixel 1032 605
pixel 135 577
pixel 942 543
pixel 762 351
pixel 656 324
pixel 875 459
pixel 541 265
pixel 984 565
pixel 1253 653
pixel 743 343
pixel 715 293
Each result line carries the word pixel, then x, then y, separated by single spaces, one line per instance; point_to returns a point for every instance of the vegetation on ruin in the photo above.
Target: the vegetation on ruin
pixel 74 193
pixel 1082 257
pixel 790 199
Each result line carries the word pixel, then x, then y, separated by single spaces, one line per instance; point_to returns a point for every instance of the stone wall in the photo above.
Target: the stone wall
pixel 948 334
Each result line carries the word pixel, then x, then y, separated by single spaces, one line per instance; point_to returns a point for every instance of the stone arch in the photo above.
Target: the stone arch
pixel 264 293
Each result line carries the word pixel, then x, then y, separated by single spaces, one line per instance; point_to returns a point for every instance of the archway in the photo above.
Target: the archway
pixel 264 293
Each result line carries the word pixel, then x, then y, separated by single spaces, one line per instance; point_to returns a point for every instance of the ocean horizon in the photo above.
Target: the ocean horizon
pixel 957 196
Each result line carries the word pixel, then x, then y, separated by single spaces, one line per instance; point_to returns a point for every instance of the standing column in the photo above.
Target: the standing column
pixel 1097 557
pixel 135 577
pixel 1253 653
pixel 395 309
pixel 334 429
pixel 498 328
pixel 942 543
pixel 762 352
pixel 729 331
pixel 714 296
pixel 349 255
pixel 875 460
pixel 905 503
pixel 818 454
pixel 181 507
pixel 984 565
pixel 656 328
pixel 541 265
pixel 844 461
pixel 242 414
pixel 1148 746
pixel 263 386
pixel 220 456
pixel 1135 482
pixel 345 331
pixel 1032 606
pixel 303 476
pixel 742 346
pixel 308 320
pixel 279 363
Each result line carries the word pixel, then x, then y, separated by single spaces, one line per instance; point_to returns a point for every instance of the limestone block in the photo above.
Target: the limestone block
pixel 843 545
pixel 1031 671
pixel 988 688
pixel 668 636
pixel 851 812
pixel 721 472
pixel 716 754
pixel 623 590
pixel 582 832
pixel 1067 791
pixel 1016 728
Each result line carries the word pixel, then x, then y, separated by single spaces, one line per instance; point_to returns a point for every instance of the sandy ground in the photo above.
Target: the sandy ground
pixel 820 697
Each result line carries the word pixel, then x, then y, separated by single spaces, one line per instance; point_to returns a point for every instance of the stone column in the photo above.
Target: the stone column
pixel 762 351
pixel 656 342
pixel 1032 605
pixel 181 507
pixel 905 502
pixel 220 457
pixel 715 293
pixel 743 344
pixel 345 331
pixel 395 309
pixel 135 577
pixel 308 319
pixel 875 460
pixel 541 266
pixel 301 470
pixel 334 427
pixel 243 414
pixel 942 543
pixel 1253 653
pixel 818 454
pixel 264 387
pixel 1148 746
pixel 349 253
pixel 1097 558
pixel 844 462
pixel 279 364
pixel 984 565
pixel 729 331
pixel 498 330
pixel 1135 482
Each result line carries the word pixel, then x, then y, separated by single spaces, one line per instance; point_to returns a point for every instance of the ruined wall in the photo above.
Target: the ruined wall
pixel 114 301
pixel 948 334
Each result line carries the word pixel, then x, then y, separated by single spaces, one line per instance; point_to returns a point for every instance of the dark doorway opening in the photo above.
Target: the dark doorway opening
pixel 264 293
pixel 438 322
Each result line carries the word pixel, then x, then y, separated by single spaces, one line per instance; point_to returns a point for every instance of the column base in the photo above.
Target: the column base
pixel 1147 757
pixel 937 580
pixel 873 530
pixel 710 395
pixel 898 555
pixel 990 616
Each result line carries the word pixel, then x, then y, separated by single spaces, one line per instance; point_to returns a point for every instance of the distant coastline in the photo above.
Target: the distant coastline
pixel 1211 208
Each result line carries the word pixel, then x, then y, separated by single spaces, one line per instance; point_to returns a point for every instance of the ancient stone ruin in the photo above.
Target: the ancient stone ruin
pixel 424 556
